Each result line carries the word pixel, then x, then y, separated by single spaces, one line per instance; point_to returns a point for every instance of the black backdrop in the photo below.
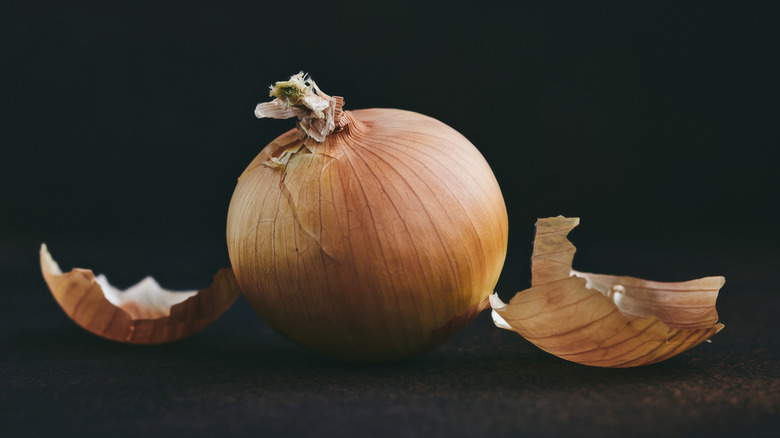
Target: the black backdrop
pixel 124 125
pixel 655 123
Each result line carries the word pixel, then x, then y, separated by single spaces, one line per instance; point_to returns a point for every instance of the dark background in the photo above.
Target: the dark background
pixel 124 126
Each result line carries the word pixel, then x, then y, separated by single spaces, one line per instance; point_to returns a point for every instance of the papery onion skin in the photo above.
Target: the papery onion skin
pixel 605 320
pixel 375 245
pixel 82 298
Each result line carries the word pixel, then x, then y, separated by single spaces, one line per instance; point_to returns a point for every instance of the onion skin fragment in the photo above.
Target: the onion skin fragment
pixel 602 320
pixel 83 300
pixel 375 245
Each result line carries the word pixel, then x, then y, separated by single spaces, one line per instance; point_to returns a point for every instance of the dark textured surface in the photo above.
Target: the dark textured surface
pixel 238 377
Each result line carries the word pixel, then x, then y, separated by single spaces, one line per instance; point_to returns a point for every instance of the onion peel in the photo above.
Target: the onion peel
pixel 604 320
pixel 143 314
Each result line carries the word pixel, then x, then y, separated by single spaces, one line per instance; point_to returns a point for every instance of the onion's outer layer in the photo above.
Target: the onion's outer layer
pixel 377 244
pixel 150 315
pixel 605 320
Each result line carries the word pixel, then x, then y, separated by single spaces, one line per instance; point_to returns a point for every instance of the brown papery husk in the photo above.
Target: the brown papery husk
pixel 376 244
pixel 604 320
pixel 83 300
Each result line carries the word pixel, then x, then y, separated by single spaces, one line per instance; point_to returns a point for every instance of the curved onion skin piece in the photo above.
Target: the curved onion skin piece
pixel 688 304
pixel 82 298
pixel 602 320
pixel 373 246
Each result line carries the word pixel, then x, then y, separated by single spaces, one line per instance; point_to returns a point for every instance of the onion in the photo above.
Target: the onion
pixel 368 235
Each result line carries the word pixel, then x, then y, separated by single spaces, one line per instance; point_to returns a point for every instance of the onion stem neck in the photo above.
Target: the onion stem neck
pixel 338 113
pixel 318 113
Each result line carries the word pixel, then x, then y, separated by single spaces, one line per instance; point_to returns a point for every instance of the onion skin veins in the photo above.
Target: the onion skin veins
pixel 375 245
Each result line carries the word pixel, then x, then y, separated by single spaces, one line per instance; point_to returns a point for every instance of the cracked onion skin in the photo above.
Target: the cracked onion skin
pixel 605 320
pixel 148 315
pixel 375 245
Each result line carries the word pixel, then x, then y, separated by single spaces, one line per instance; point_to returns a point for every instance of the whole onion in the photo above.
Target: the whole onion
pixel 368 235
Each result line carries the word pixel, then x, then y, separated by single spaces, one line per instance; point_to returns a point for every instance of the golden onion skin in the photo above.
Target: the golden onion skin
pixel 375 245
